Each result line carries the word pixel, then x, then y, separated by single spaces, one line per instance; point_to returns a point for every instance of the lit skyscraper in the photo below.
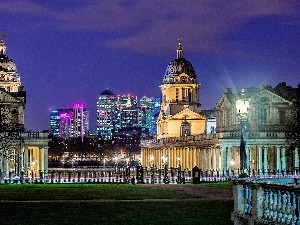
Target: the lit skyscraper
pixel 149 107
pixel 70 122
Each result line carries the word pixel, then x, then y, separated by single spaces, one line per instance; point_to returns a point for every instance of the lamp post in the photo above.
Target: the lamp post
pixel 179 171
pixel 127 170
pixel 242 106
pixel 152 169
pixel 165 169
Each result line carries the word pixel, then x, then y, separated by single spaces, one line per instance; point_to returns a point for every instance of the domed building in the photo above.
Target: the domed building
pixel 22 154
pixel 12 94
pixel 180 107
pixel 181 139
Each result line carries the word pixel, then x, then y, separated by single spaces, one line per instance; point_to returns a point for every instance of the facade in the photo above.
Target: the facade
pixel 267 120
pixel 69 122
pixel 21 153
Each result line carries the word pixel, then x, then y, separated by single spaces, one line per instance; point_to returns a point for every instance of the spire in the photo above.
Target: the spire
pixel 2 45
pixel 180 49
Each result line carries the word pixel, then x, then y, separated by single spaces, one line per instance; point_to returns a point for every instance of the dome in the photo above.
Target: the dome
pixel 107 92
pixel 180 66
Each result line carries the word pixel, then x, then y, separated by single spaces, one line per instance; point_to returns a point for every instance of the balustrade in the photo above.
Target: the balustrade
pixel 258 202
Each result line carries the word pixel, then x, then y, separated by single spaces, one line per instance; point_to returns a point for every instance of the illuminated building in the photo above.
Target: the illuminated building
pixel 181 126
pixel 22 154
pixel 12 94
pixel 150 108
pixel 69 122
pixel 267 113
pixel 106 113
pixel 116 113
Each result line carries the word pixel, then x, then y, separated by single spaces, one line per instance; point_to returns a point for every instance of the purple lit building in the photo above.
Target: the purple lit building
pixel 69 122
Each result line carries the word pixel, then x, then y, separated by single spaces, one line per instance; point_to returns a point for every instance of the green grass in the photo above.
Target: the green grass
pixel 108 212
pixel 83 192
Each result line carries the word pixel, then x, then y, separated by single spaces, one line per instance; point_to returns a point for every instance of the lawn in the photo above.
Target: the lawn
pixel 111 209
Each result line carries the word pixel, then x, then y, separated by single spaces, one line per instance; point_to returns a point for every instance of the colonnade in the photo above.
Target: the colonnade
pixel 28 161
pixel 206 158
pixel 259 157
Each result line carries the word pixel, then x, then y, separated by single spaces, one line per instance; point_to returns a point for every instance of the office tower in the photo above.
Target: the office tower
pixel 149 108
pixel 69 122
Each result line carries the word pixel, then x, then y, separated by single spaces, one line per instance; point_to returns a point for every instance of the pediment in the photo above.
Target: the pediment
pixel 268 97
pixel 188 114
pixel 224 102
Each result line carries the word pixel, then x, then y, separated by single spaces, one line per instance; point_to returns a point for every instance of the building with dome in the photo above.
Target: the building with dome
pixel 181 126
pixel 21 153
pixel 180 107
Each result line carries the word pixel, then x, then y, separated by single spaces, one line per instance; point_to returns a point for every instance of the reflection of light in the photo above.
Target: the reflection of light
pixel 32 163
pixel 164 158
pixel 152 158
pixel 232 162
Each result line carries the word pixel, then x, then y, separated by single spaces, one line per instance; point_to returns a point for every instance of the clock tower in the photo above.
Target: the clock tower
pixel 180 106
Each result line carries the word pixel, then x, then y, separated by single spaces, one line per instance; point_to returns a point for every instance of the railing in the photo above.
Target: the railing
pixel 266 201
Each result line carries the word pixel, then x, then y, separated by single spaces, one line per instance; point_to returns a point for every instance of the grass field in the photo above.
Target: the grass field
pixel 107 204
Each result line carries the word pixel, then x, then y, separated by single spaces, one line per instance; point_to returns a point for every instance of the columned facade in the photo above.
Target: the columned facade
pixel 203 151
pixel 28 157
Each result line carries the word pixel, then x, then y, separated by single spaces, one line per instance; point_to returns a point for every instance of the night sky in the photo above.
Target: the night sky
pixel 70 51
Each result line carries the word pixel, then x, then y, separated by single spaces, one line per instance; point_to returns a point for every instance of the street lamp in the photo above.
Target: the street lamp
pixel 127 169
pixel 179 171
pixel 165 169
pixel 242 106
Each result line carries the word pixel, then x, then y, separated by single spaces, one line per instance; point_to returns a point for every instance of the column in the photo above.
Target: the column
pixel 296 156
pixel 278 159
pixel 46 161
pixel 5 173
pixel 229 158
pixel 224 157
pixel 283 158
pixel 25 163
pixel 214 166
pixel 260 161
pixel 40 165
pixel 265 159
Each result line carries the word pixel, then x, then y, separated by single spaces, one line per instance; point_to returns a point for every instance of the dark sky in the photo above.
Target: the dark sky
pixel 70 51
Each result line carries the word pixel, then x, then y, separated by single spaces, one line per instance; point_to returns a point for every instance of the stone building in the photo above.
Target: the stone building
pixel 21 153
pixel 181 126
pixel 267 115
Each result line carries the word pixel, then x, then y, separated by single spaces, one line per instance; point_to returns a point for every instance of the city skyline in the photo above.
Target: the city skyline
pixel 72 51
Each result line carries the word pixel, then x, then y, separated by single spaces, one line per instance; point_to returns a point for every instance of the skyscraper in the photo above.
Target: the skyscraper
pixel 69 122
pixel 149 107
pixel 119 112
pixel 106 113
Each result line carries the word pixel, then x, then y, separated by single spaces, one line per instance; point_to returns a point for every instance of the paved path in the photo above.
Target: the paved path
pixel 200 192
